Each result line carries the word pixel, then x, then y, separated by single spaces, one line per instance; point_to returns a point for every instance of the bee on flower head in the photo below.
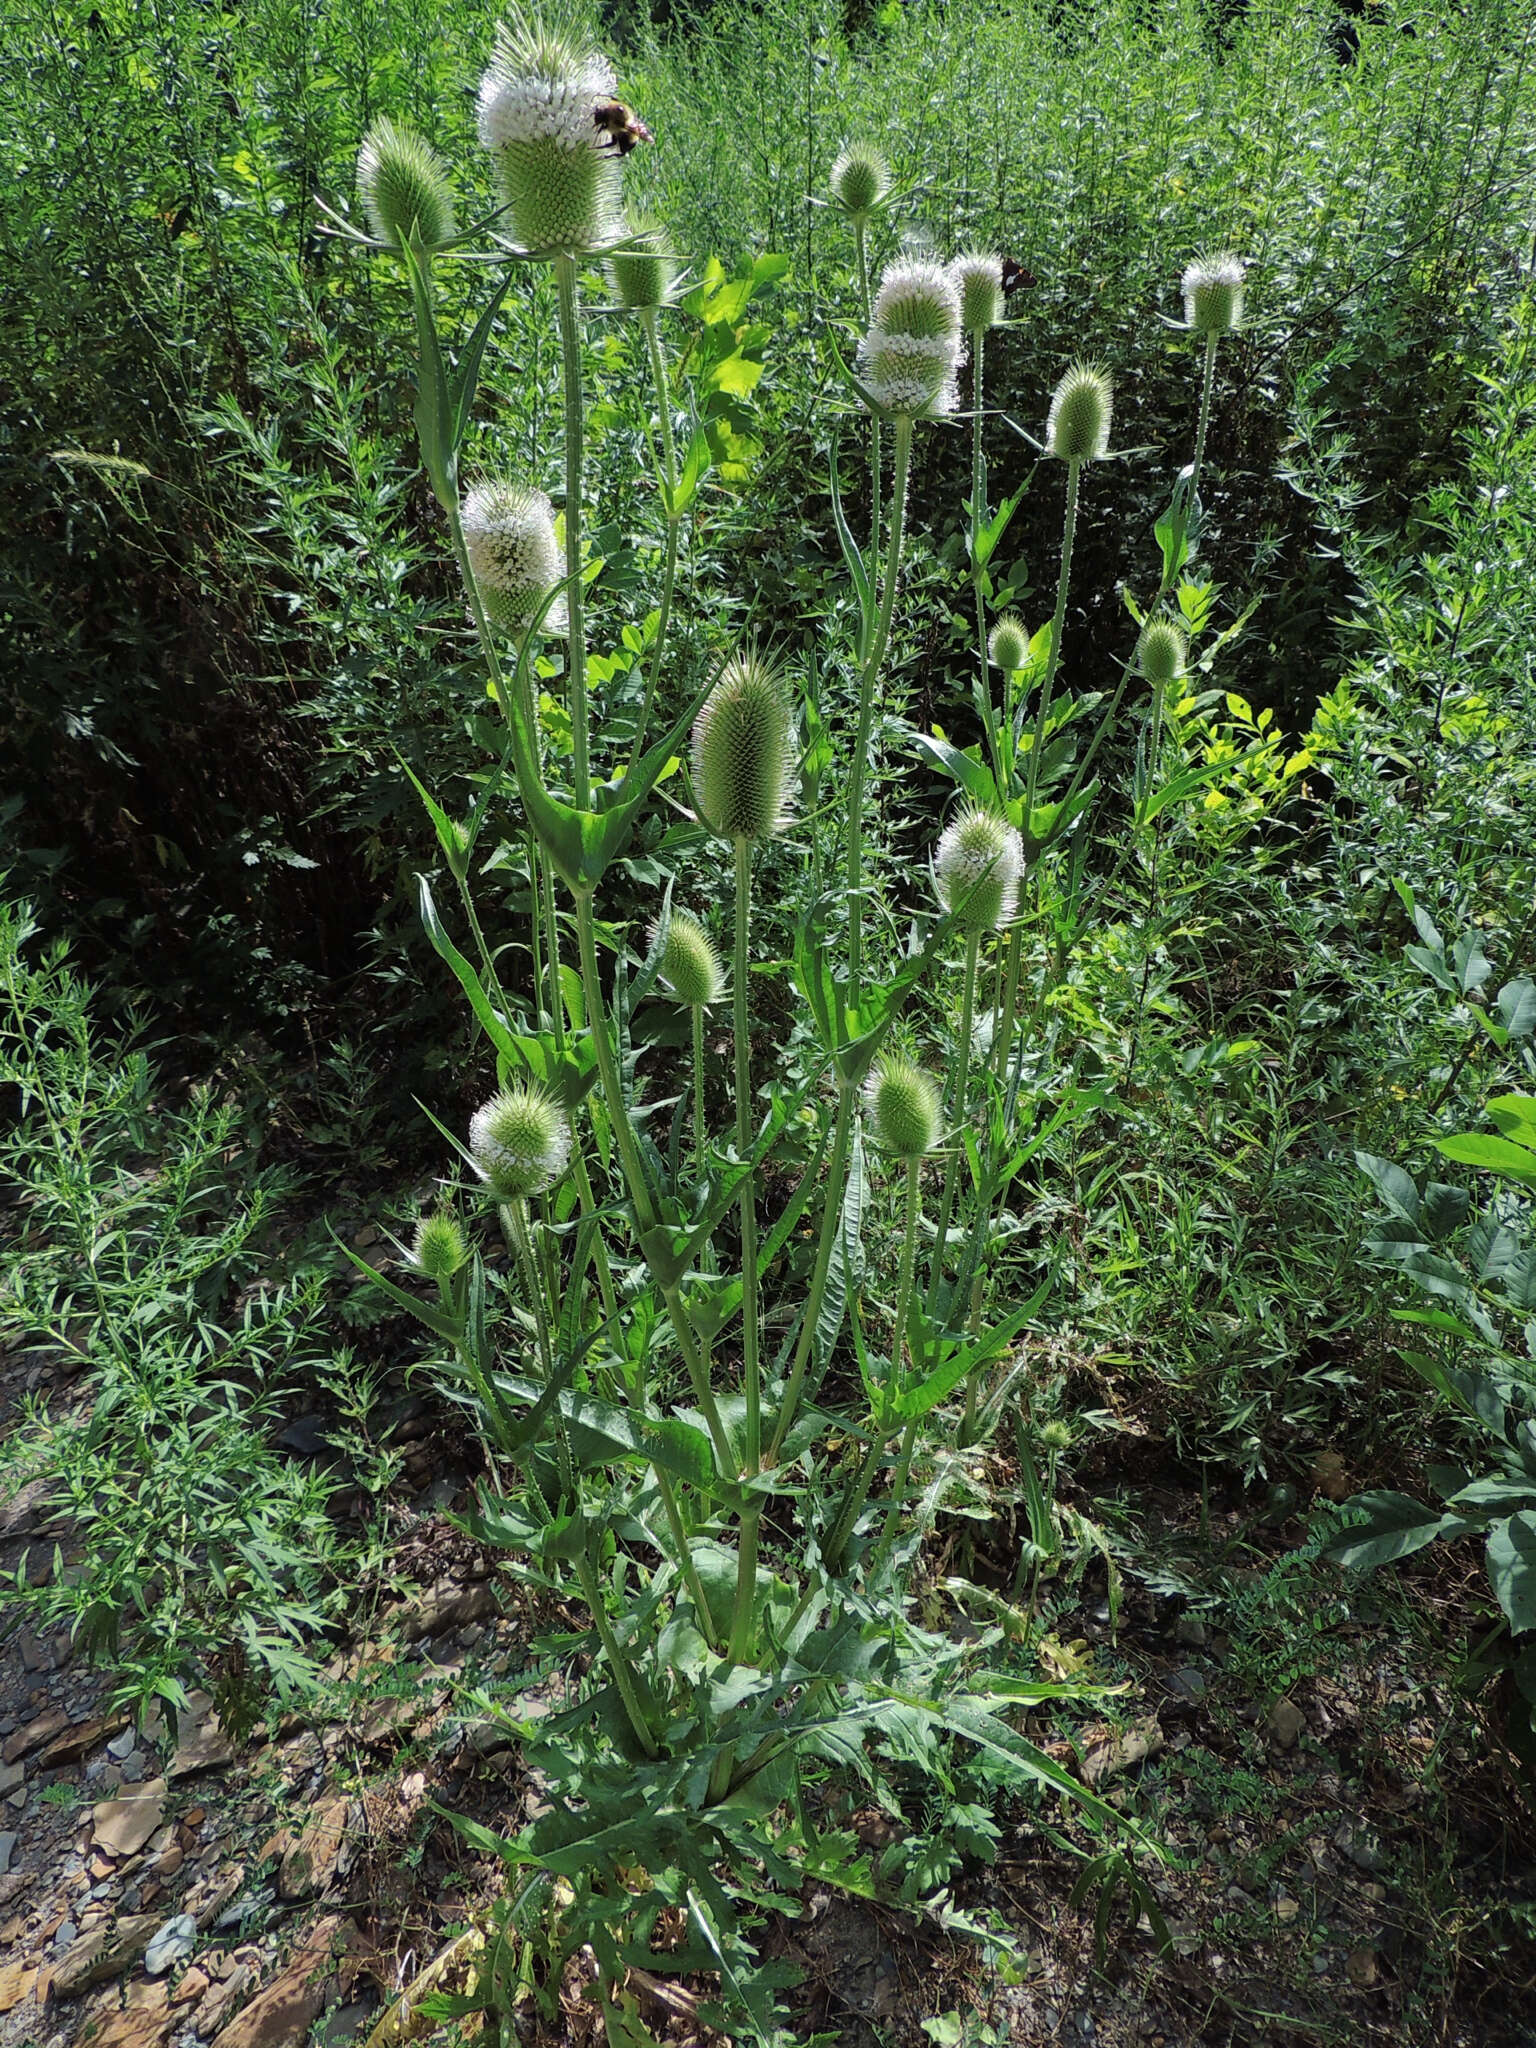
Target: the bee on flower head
pixel 619 127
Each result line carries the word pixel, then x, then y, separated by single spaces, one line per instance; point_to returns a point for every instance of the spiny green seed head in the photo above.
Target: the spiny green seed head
pixel 1213 293
pixel 404 186
pixel 1077 426
pixel 520 1141
pixel 1161 652
pixel 690 966
pixel 742 752
pixel 1008 645
pixel 918 299
pixel 861 177
pixel 557 170
pixel 978 868
pixel 642 277
pixel 1057 1436
pixel 902 1104
pixel 979 281
pixel 439 1250
pixel 514 553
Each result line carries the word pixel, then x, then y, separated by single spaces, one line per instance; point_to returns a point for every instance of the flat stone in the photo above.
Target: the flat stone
pixel 310 1863
pixel 445 1606
pixel 1362 1968
pixel 1286 1723
pixel 1189 1631
pixel 75 1742
pixel 1360 1849
pixel 143 2021
pixel 7 1851
pixel 104 1953
pixel 201 1744
pixel 281 2015
pixel 35 1733
pixel 11 1775
pixel 123 1745
pixel 16 1982
pixel 173 1943
pixel 124 1825
pixel 190 1986
pixel 221 1998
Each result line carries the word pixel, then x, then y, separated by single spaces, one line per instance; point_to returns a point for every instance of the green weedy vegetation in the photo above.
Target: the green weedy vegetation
pixel 905 711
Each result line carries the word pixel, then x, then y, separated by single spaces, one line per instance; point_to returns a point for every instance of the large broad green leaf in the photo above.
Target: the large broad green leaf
pixel 1515 1115
pixel 1395 1187
pixel 1495 1155
pixel 1512 1568
pixel 1395 1526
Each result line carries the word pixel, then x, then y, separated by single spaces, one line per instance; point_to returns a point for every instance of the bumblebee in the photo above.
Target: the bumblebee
pixel 618 127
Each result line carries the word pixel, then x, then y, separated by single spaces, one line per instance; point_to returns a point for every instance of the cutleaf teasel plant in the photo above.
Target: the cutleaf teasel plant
pixel 704 1437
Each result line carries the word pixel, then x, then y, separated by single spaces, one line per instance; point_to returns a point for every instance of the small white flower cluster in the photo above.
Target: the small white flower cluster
pixel 509 536
pixel 914 348
pixel 518 106
pixel 520 1141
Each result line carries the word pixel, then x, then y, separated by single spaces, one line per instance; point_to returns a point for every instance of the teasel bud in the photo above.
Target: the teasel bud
pixel 978 868
pixel 979 281
pixel 1161 652
pixel 1008 644
pixel 404 187
pixel 690 966
pixel 1077 426
pixel 642 276
pixel 902 1104
pixel 520 1141
pixel 743 756
pixel 861 178
pixel 514 553
pixel 1213 294
pixel 542 102
pixel 439 1250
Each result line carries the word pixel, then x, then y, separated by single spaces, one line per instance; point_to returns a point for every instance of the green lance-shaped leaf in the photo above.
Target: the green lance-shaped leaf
pixel 1395 1526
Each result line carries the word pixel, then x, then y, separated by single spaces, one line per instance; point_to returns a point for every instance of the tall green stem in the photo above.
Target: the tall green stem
pixel 876 479
pixel 697 1015
pixel 959 1089
pixel 841 1134
pixel 669 474
pixel 978 521
pixel 570 351
pixel 1207 391
pixel 1058 623
pixel 618 1658
pixel 873 658
pixel 742 1029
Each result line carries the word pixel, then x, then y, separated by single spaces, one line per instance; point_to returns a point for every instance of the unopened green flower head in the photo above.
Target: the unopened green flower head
pixel 514 552
pixel 743 756
pixel 404 186
pixel 1213 294
pixel 978 868
pixel 542 102
pixel 642 277
pixel 690 966
pixel 1077 426
pixel 1162 651
pixel 979 281
pixel 520 1141
pixel 439 1250
pixel 1008 644
pixel 902 1104
pixel 1057 1436
pixel 861 177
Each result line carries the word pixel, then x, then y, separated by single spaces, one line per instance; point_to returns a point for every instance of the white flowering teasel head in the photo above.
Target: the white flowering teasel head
pixel 514 553
pixel 555 163
pixel 860 181
pixel 690 966
pixel 914 347
pixel 902 1105
pixel 403 184
pixel 743 751
pixel 978 868
pixel 520 1141
pixel 1077 425
pixel 979 281
pixel 1213 294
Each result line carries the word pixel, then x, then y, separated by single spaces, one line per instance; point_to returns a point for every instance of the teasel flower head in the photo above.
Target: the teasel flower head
pixel 690 966
pixel 979 280
pixel 514 553
pixel 1008 643
pixel 439 1250
pixel 642 276
pixel 902 1104
pixel 556 165
pixel 1162 652
pixel 520 1141
pixel 1213 294
pixel 403 183
pixel 1077 426
pixel 978 868
pixel 861 178
pixel 743 752
pixel 914 347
